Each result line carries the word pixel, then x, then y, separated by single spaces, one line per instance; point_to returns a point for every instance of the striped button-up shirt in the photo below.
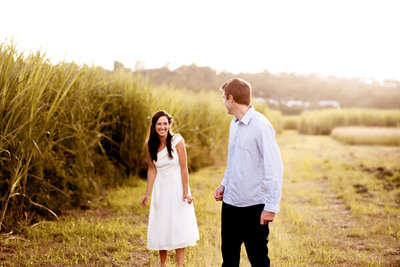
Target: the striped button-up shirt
pixel 255 170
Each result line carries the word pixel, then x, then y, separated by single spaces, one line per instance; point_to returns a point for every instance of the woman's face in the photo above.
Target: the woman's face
pixel 162 126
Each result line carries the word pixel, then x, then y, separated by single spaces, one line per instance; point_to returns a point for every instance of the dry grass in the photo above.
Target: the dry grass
pixel 291 122
pixel 367 135
pixel 323 121
pixel 341 204
pixel 340 207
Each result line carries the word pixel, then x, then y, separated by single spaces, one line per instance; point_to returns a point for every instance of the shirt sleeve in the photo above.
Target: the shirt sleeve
pixel 273 168
pixel 225 179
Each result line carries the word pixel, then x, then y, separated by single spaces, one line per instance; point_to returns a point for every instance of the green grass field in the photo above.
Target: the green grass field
pixel 340 207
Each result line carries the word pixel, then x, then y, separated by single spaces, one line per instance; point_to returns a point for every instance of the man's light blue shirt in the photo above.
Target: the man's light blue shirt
pixel 255 170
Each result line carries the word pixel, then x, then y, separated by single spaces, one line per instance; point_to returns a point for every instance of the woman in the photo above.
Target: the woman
pixel 172 221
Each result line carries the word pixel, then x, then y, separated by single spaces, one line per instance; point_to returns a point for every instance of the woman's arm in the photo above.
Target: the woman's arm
pixel 151 175
pixel 180 148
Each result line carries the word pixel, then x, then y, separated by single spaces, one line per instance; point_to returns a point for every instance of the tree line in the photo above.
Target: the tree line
pixel 350 93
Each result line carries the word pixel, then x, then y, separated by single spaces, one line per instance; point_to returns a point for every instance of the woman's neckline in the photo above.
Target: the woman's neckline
pixel 162 150
pixel 165 146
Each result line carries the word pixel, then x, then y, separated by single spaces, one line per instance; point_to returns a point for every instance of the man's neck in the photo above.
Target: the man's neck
pixel 240 111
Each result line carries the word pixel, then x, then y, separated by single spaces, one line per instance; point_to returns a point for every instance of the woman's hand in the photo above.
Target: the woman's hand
pixel 145 200
pixel 189 198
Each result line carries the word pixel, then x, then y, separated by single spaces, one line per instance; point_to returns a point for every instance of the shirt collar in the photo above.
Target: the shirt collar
pixel 247 117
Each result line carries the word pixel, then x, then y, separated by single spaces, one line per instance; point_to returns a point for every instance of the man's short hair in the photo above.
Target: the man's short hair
pixel 239 89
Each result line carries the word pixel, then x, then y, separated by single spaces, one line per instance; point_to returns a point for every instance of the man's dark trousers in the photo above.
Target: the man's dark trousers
pixel 242 224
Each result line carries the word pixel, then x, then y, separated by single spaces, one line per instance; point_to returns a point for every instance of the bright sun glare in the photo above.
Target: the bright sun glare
pixel 341 38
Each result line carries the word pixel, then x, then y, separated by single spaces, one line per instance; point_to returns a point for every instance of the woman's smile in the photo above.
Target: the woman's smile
pixel 162 126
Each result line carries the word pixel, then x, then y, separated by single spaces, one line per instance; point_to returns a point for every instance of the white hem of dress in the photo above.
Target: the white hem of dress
pixel 184 245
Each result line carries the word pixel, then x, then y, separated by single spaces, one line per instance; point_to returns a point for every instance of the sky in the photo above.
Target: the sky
pixel 348 38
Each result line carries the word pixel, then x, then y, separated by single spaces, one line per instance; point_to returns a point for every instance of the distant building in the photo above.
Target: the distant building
pixel 389 84
pixel 273 102
pixel 297 106
pixel 259 99
pixel 329 104
pixel 296 103
pixel 288 103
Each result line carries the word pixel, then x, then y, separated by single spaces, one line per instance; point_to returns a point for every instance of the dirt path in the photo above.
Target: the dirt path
pixel 320 212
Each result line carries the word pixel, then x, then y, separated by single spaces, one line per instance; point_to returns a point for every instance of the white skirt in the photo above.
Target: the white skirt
pixel 172 222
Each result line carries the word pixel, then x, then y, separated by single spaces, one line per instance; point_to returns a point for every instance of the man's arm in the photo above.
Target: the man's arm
pixel 219 192
pixel 273 171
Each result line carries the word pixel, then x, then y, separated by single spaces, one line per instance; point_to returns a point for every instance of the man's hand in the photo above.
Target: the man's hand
pixel 267 217
pixel 219 193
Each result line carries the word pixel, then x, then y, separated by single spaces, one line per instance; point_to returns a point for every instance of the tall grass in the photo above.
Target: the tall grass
pixel 61 128
pixel 274 116
pixel 367 135
pixel 68 131
pixel 200 118
pixel 291 122
pixel 322 122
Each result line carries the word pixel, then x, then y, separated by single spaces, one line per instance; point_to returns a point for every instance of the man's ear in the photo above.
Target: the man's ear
pixel 230 98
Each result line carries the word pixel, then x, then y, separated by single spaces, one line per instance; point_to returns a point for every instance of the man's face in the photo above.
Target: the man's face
pixel 227 102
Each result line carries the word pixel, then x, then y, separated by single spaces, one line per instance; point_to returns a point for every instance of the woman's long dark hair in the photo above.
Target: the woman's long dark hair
pixel 154 141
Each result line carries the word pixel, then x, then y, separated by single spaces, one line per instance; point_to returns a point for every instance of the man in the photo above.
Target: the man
pixel 251 187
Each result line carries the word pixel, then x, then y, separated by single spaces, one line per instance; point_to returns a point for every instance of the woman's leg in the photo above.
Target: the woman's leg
pixel 180 256
pixel 163 258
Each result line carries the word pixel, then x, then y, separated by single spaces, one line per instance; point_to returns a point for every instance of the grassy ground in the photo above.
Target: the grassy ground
pixel 340 207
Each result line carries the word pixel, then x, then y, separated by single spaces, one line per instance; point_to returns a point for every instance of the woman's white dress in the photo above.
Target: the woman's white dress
pixel 172 222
